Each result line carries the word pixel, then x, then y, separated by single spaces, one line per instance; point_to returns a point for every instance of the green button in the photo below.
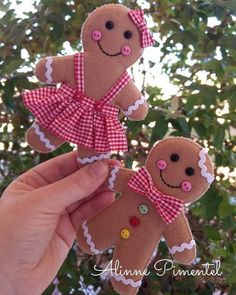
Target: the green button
pixel 143 209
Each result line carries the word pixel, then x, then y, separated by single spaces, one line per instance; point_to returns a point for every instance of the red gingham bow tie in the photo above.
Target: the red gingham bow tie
pixel 137 17
pixel 167 207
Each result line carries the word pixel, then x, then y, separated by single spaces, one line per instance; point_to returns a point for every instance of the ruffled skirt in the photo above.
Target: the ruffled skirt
pixel 76 118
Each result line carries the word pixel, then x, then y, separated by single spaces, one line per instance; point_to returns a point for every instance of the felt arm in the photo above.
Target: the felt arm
pixel 118 178
pixel 180 241
pixel 56 69
pixel 132 102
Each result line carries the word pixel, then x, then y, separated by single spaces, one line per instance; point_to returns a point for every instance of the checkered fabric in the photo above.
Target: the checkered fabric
pixel 167 207
pixel 77 118
pixel 137 17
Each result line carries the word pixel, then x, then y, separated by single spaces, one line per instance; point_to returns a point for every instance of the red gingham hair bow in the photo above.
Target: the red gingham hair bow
pixel 167 207
pixel 137 17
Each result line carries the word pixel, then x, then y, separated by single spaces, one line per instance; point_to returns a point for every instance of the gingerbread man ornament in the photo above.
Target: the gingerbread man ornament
pixel 151 205
pixel 95 87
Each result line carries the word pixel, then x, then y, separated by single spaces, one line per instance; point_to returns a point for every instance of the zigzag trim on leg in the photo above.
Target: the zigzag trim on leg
pixel 43 138
pixel 94 158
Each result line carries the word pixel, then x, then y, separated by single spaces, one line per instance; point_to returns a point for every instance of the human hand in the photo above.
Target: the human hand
pixel 39 215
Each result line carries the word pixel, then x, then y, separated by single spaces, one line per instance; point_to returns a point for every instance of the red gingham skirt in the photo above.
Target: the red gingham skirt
pixel 76 118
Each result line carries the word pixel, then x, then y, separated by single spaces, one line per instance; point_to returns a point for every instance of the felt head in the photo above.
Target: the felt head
pixel 113 34
pixel 181 168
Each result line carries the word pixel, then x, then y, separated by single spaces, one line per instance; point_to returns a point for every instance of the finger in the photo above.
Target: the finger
pixel 80 203
pixel 65 230
pixel 91 208
pixel 51 171
pixel 114 162
pixel 74 206
pixel 75 187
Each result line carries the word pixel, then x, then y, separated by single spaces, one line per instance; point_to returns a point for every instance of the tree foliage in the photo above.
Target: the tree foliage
pixel 202 108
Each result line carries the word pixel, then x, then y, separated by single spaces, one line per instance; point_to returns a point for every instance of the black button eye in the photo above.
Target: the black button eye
pixel 174 157
pixel 189 171
pixel 128 35
pixel 110 25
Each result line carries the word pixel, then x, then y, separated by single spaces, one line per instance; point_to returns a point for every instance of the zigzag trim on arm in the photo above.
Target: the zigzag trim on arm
pixel 182 247
pixel 135 106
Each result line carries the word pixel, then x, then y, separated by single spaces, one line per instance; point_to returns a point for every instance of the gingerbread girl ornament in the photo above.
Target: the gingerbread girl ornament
pixel 95 87
pixel 177 171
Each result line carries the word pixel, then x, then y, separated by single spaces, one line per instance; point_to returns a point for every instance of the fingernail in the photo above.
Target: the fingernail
pixel 98 169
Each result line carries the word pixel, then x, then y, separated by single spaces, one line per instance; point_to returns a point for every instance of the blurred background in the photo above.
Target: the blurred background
pixel 190 79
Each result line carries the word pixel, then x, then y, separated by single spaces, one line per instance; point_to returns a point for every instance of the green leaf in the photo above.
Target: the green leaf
pixel 219 137
pixel 181 78
pixel 228 41
pixel 192 100
pixel 231 278
pixel 210 203
pixel 200 129
pixel 211 232
pixel 208 93
pixel 9 15
pixel 216 67
pixel 181 125
pixel 160 129
pixel 129 162
pixel 226 208
pixel 11 65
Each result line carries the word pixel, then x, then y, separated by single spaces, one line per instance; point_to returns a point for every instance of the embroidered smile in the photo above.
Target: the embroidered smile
pixel 111 55
pixel 166 183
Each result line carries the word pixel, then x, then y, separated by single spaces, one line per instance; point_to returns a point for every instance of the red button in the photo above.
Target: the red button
pixel 98 106
pixel 78 96
pixel 134 221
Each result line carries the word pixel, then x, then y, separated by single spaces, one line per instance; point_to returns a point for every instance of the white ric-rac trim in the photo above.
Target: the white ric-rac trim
pixel 94 158
pixel 209 177
pixel 43 138
pixel 48 73
pixel 89 239
pixel 112 178
pixel 182 247
pixel 135 106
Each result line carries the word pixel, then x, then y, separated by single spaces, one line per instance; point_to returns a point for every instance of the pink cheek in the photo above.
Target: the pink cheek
pixel 186 186
pixel 125 50
pixel 161 164
pixel 96 35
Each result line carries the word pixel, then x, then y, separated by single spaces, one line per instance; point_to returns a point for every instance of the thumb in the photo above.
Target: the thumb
pixel 65 192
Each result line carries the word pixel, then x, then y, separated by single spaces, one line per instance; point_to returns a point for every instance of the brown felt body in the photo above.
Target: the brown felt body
pixel 35 142
pixel 135 252
pixel 174 174
pixel 101 71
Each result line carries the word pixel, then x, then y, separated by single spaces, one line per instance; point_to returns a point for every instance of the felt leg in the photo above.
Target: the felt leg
pixel 87 156
pixel 42 140
pixel 99 232
pixel 133 256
